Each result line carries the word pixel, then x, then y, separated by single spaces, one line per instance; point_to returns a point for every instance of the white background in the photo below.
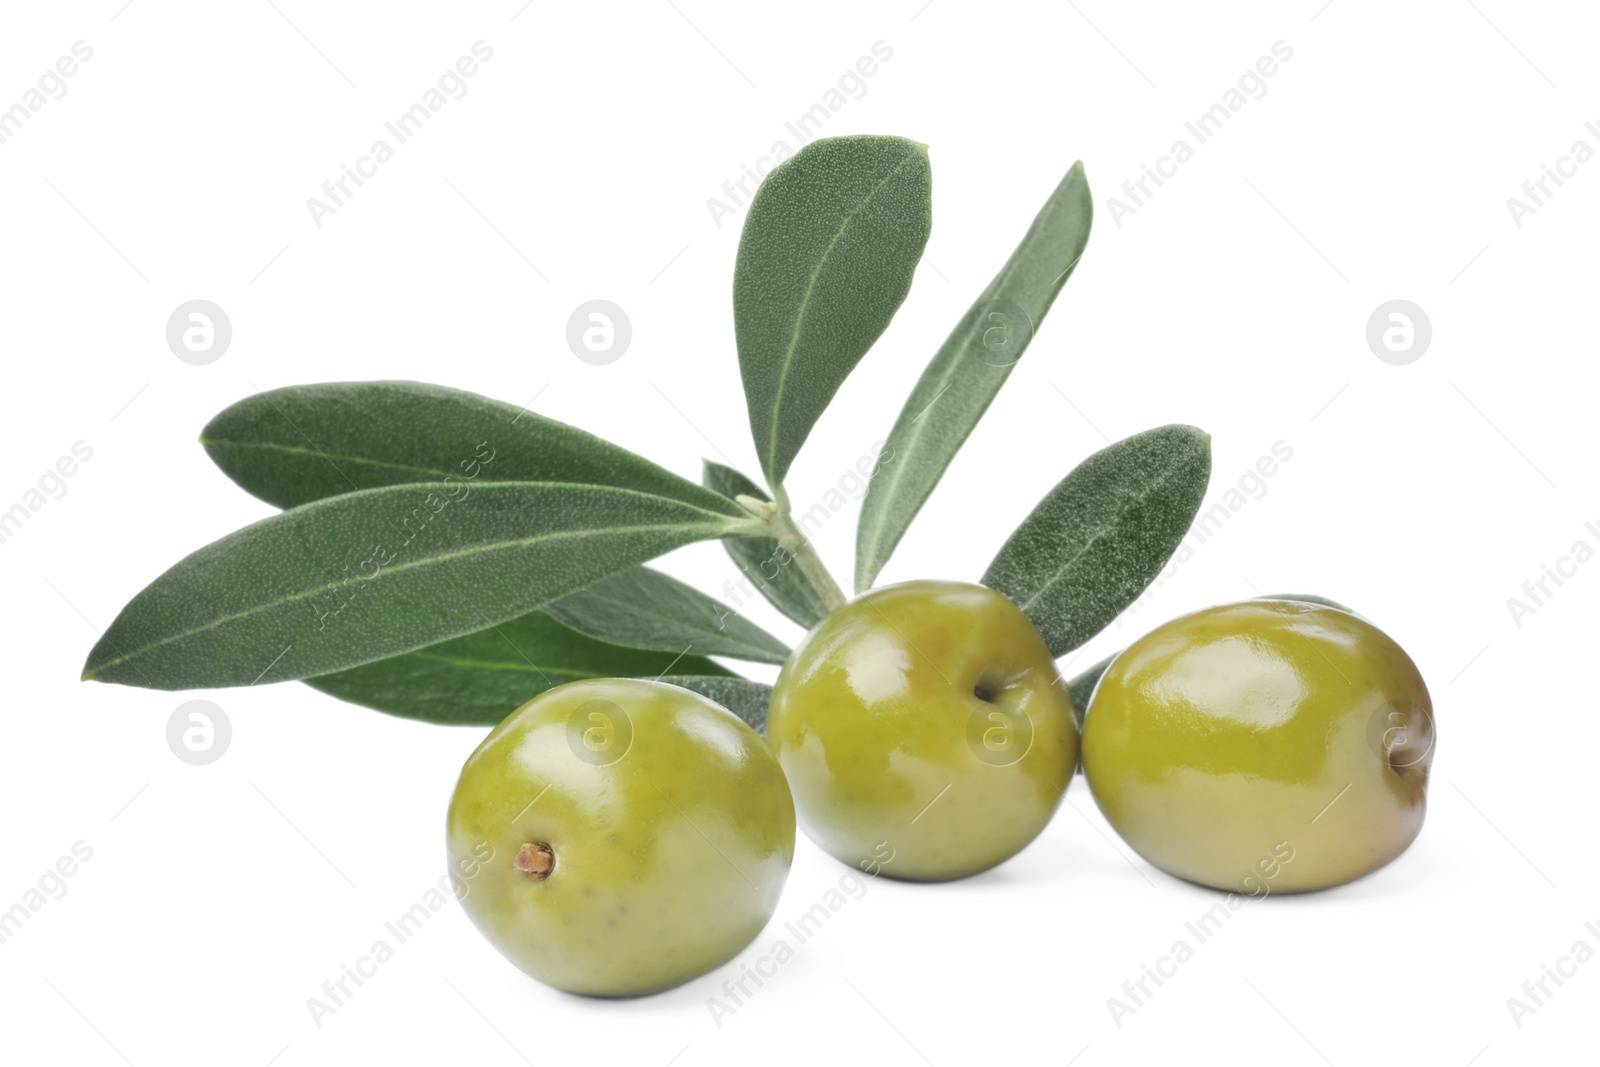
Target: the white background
pixel 578 165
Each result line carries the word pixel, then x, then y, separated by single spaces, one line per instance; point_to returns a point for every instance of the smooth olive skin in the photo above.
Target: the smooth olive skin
pixel 670 847
pixel 897 764
pixel 1223 742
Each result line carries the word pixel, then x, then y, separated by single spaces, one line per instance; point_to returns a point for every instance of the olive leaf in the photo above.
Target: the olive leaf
pixel 1099 538
pixel 479 679
pixel 355 578
pixel 746 699
pixel 301 443
pixel 829 246
pixel 969 369
pixel 766 565
pixel 643 608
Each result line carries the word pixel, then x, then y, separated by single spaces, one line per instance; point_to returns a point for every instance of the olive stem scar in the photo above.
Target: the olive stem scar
pixel 536 860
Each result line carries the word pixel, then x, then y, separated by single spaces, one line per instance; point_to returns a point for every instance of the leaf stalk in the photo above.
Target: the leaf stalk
pixel 806 558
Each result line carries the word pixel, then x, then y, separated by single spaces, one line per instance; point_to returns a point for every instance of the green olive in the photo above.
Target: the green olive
pixel 1265 746
pixel 924 731
pixel 616 837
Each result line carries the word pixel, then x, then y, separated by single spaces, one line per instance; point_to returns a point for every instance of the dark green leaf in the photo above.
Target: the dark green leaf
pixel 302 443
pixel 479 679
pixel 369 575
pixel 1100 537
pixel 829 246
pixel 766 565
pixel 969 369
pixel 643 608
pixel 744 698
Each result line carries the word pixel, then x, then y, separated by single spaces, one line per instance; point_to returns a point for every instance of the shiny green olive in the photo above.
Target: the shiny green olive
pixel 616 837
pixel 1265 746
pixel 924 731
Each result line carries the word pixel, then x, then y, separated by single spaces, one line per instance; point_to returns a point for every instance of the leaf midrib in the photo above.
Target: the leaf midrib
pixel 1012 265
pixel 320 453
pixel 445 557
pixel 900 468
pixel 1007 271
pixel 805 302
pixel 496 665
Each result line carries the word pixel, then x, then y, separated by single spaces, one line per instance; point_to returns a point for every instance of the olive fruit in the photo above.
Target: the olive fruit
pixel 1264 746
pixel 616 837
pixel 924 730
